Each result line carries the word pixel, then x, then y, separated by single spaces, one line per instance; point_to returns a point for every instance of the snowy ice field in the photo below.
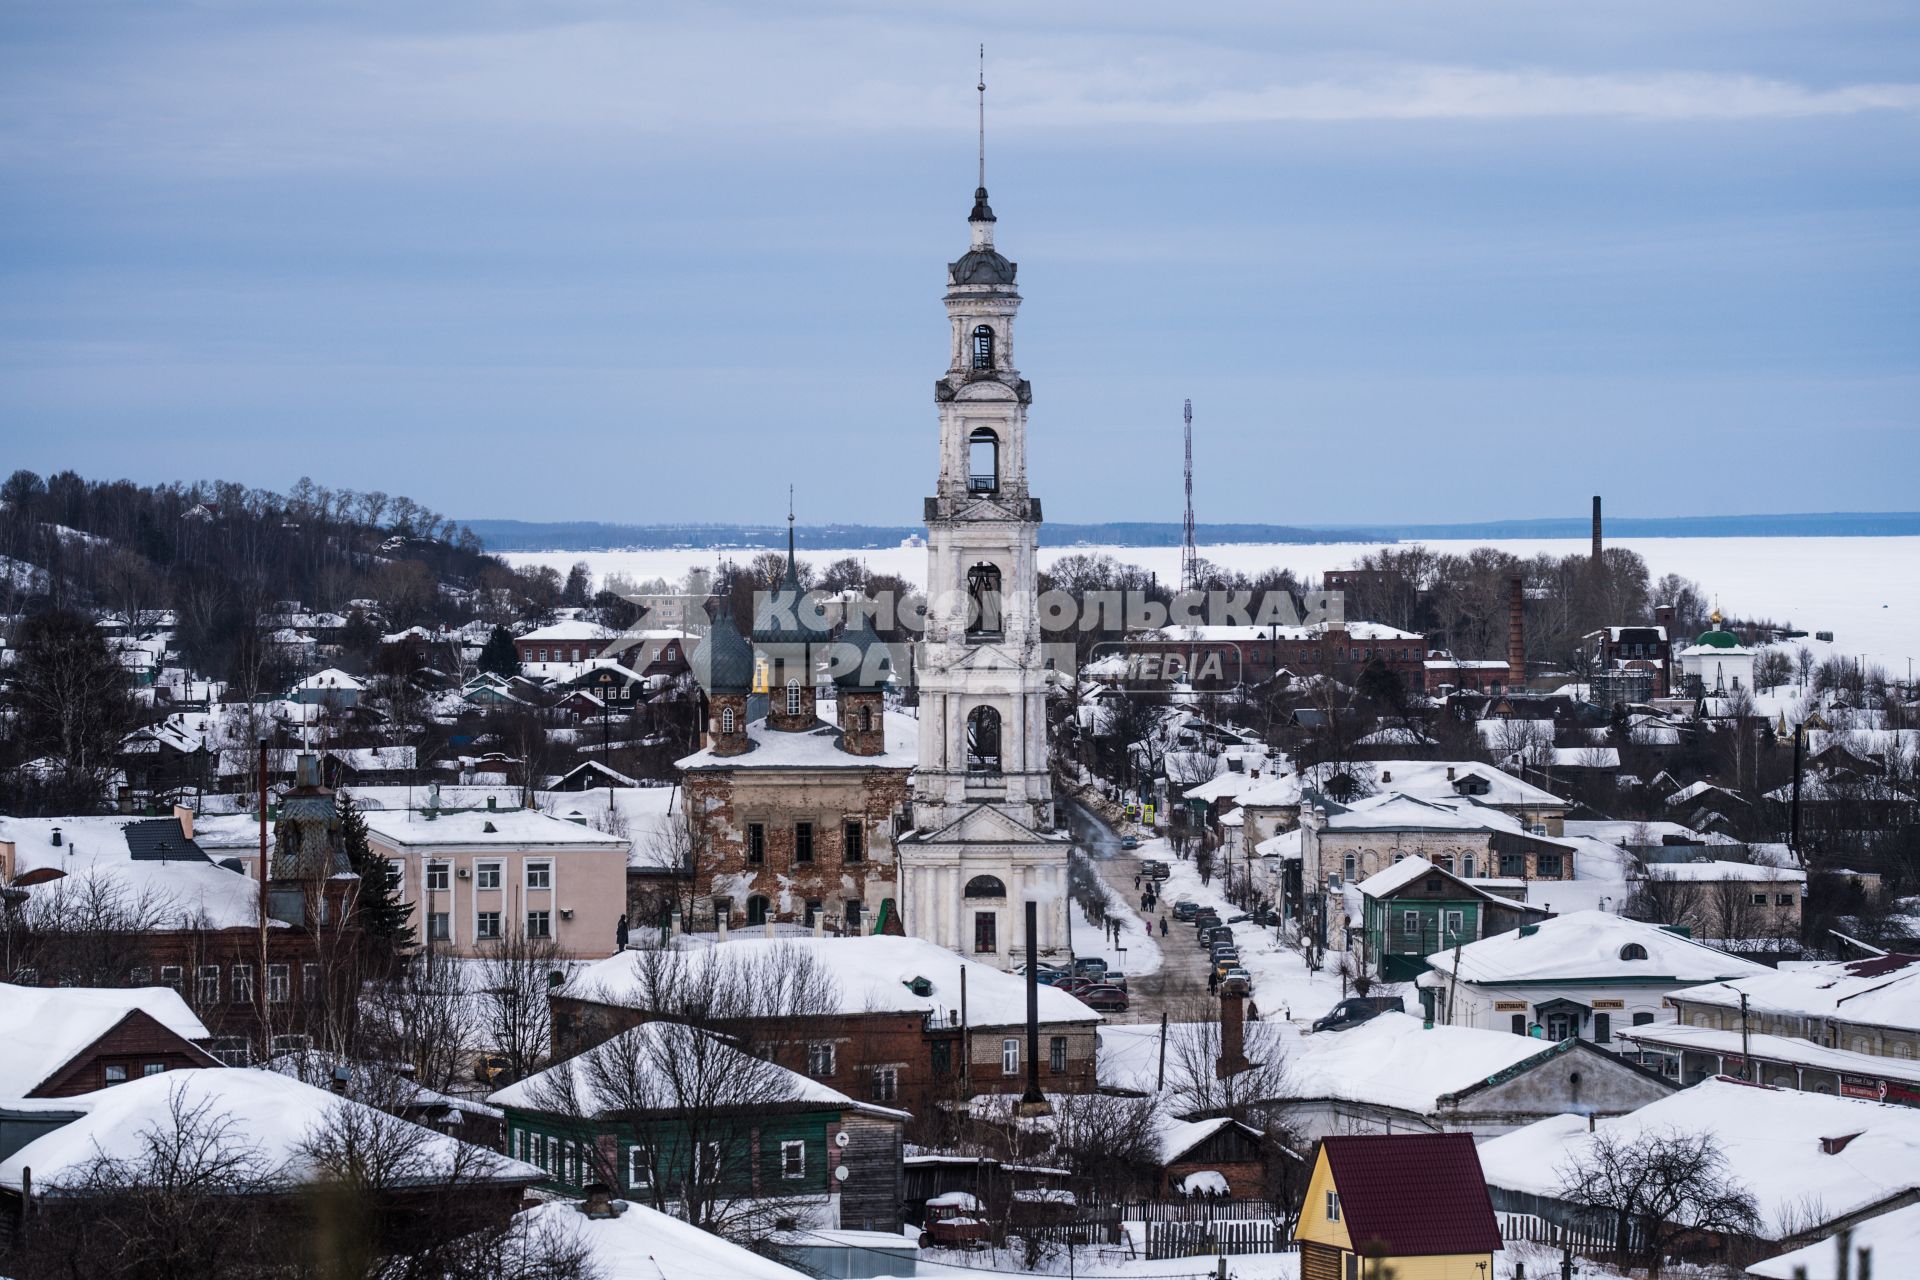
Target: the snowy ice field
pixel 1864 590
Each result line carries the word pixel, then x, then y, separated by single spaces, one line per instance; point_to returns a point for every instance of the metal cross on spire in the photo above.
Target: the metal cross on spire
pixel 983 115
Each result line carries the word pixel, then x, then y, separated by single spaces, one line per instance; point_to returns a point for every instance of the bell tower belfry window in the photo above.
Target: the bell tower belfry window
pixel 983 347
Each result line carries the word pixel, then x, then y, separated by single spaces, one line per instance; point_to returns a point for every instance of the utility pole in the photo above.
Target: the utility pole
pixel 1746 1053
pixel 1793 841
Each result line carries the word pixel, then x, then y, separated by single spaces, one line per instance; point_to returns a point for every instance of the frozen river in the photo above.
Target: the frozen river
pixel 1864 590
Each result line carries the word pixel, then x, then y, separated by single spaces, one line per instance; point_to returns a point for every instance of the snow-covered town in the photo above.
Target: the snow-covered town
pixel 383 896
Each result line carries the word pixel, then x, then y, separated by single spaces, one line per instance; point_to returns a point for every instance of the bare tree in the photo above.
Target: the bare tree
pixel 512 981
pixel 1194 1084
pixel 1663 897
pixel 1656 1189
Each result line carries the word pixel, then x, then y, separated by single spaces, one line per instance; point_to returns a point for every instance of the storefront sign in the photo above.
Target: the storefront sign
pixel 1509 1006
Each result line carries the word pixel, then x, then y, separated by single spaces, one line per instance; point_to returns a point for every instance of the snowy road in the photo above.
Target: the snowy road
pixel 1176 976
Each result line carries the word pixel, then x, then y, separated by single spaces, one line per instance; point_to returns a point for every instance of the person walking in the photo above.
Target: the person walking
pixel 1163 926
pixel 1213 982
pixel 1136 880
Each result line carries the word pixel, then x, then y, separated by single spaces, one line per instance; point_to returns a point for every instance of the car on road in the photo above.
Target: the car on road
pixel 1154 869
pixel 1222 963
pixel 1355 1010
pixel 1185 910
pixel 1074 986
pixel 1206 918
pixel 1236 982
pixel 1104 999
pixel 1045 975
pixel 1129 842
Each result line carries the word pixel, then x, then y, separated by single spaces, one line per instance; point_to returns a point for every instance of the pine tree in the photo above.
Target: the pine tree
pixel 498 655
pixel 383 916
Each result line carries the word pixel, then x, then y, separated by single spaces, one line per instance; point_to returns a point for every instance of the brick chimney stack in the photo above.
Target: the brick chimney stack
pixel 1596 528
pixel 1517 635
pixel 1233 1038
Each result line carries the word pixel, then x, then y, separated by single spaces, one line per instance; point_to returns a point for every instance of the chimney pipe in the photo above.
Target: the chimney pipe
pixel 1596 528
pixel 1033 1102
pixel 1516 634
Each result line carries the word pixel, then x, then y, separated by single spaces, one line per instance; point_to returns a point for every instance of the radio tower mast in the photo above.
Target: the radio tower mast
pixel 1189 553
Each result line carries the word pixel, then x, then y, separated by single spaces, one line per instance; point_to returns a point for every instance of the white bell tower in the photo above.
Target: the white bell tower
pixel 983 844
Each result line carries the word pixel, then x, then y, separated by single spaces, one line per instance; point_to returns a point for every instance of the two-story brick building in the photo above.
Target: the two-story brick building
pixel 907 1022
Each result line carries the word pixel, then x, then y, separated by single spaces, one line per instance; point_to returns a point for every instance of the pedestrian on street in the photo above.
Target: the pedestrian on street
pixel 1253 1011
pixel 1213 982
pixel 1163 926
pixel 1136 882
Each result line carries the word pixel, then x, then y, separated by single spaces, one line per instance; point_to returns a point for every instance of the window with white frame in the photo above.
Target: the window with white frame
pixel 726 720
pixel 207 981
pixel 820 1059
pixel 639 1168
pixel 242 989
pixel 486 925
pixel 438 874
pixel 310 983
pixel 486 875
pixel 886 1084
pixel 793 1159
pixel 540 875
pixel 439 926
pixel 539 924
pixel 1333 1206
pixel 279 983
pixel 170 976
pixel 1009 1057
pixel 793 697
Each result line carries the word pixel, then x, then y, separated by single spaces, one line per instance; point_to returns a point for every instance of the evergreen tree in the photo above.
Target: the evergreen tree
pixel 498 655
pixel 383 916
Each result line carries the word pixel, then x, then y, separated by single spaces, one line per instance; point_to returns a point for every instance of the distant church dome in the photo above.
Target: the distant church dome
pixel 1718 638
pixel 728 659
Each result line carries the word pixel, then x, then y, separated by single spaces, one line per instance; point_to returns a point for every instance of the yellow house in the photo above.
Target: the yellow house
pixel 1405 1206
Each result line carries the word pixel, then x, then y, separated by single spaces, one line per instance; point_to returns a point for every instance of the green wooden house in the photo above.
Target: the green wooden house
pixel 695 1122
pixel 1413 909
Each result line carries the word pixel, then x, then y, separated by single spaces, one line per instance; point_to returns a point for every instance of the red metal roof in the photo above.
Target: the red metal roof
pixel 1413 1193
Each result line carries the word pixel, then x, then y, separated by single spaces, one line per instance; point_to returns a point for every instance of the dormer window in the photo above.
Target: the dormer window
pixel 1633 951
pixel 983 347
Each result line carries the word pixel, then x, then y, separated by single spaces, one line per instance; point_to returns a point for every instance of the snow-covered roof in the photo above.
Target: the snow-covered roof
pixel 1585 757
pixel 494 828
pixel 1587 946
pixel 1312 631
pixel 572 1079
pixel 1772 1140
pixel 374 759
pixel 1772 1048
pixel 329 681
pixel 1715 871
pixel 816 748
pixel 1178 1137
pixel 1883 991
pixel 184 891
pixel 1438 779
pixel 571 629
pixel 1893 1238
pixel 42 1029
pixel 1396 811
pixel 870 975
pixel 266 1116
pixel 646 1244
pixel 1286 845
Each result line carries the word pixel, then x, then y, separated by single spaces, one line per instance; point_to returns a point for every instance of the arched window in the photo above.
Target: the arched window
pixel 1633 951
pixel 1466 865
pixel 866 719
pixel 985 887
pixel 1351 866
pixel 983 600
pixel 756 910
pixel 983 346
pixel 983 461
pixel 983 740
pixel 793 697
pixel 1642 1019
pixel 726 720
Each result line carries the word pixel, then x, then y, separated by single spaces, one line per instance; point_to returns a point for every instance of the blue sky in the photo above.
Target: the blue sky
pixel 653 261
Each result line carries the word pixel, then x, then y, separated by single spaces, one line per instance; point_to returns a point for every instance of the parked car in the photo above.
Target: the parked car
pixel 1114 980
pixel 1355 1010
pixel 1129 842
pixel 1206 918
pixel 1104 998
pixel 1155 868
pixel 954 1220
pixel 1222 963
pixel 1236 982
pixel 1046 975
pixel 1073 986
pixel 1089 967
pixel 1185 910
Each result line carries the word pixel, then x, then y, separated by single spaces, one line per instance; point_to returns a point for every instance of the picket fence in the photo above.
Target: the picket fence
pixel 1219 1238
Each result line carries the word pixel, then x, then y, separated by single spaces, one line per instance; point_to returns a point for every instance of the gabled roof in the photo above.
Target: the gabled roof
pixel 1591 946
pixel 1418 1194
pixel 42 1029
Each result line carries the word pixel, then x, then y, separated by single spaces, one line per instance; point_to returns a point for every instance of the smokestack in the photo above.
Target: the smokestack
pixel 1517 635
pixel 1596 527
pixel 1233 1039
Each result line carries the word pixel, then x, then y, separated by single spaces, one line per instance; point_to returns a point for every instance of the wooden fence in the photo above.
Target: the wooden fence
pixel 1581 1238
pixel 1195 1210
pixel 1219 1238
